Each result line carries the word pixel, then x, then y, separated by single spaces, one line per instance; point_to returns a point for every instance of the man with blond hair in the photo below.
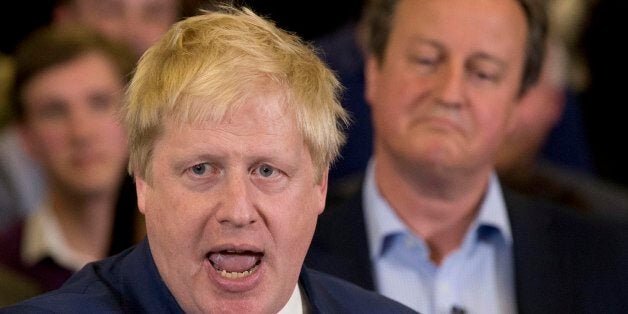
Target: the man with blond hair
pixel 233 125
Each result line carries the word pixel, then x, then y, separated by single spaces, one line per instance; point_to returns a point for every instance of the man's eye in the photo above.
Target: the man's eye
pixel 425 61
pixel 483 75
pixel 266 171
pixel 200 169
pixel 53 110
pixel 102 101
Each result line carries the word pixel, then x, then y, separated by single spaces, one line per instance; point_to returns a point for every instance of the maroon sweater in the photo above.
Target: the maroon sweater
pixel 46 273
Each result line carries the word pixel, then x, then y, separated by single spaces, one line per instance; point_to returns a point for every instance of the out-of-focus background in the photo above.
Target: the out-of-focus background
pixel 587 127
pixel 589 138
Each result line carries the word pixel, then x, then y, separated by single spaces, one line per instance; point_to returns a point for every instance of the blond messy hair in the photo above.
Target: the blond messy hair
pixel 208 64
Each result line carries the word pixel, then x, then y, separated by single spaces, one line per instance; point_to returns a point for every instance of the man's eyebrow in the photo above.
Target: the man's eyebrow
pixel 185 160
pixel 485 56
pixel 422 40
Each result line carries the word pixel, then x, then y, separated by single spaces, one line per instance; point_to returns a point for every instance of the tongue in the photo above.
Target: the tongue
pixel 233 262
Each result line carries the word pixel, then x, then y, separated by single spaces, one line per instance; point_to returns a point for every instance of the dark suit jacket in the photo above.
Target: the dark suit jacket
pixel 563 263
pixel 130 283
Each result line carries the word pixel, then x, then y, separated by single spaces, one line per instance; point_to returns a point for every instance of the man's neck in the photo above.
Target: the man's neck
pixel 439 209
pixel 86 223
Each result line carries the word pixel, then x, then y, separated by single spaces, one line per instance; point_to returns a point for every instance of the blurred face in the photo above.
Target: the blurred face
pixel 139 23
pixel 534 117
pixel 231 209
pixel 443 93
pixel 71 125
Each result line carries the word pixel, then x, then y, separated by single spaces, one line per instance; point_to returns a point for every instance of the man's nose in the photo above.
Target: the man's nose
pixel 81 125
pixel 238 208
pixel 450 87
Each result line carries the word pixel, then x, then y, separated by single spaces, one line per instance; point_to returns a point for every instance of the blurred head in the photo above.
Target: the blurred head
pixel 68 90
pixel 379 14
pixel 443 81
pixel 536 114
pixel 139 23
pixel 233 125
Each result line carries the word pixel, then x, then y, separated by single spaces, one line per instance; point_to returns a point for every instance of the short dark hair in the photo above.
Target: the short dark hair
pixel 378 17
pixel 50 46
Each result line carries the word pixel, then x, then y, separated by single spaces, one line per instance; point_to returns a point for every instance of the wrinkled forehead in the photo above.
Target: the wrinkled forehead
pixel 271 102
pixel 497 28
pixel 89 76
pixel 246 112
pixel 259 127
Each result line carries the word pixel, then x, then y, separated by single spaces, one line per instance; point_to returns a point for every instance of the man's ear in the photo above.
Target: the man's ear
pixel 512 122
pixel 141 187
pixel 322 189
pixel 371 73
pixel 558 99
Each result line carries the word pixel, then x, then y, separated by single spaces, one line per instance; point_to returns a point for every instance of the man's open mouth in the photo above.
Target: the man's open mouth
pixel 234 264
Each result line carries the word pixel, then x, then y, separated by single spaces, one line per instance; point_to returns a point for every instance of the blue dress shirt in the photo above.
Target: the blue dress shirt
pixel 475 278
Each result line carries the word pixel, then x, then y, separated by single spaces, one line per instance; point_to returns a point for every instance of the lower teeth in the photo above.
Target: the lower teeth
pixel 235 274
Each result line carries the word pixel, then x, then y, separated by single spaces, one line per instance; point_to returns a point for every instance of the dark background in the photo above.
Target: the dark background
pixel 310 19
pixel 604 102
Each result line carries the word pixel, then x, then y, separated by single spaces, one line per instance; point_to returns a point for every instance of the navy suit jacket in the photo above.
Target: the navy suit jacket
pixel 130 283
pixel 563 263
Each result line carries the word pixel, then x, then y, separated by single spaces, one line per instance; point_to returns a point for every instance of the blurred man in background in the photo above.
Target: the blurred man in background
pixel 69 86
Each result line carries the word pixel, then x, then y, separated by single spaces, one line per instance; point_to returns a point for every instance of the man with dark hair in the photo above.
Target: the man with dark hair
pixel 432 226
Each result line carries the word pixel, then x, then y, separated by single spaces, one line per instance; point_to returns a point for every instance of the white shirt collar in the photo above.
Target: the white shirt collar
pixel 296 304
pixel 43 238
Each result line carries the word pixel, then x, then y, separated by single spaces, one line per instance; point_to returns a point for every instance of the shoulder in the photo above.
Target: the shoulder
pixel 82 294
pixel 329 294
pixel 344 203
pixel 95 288
pixel 528 210
pixel 10 243
pixel 594 244
pixel 69 301
pixel 530 215
pixel 340 229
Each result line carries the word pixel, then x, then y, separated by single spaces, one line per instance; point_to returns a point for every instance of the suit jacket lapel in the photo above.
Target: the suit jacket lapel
pixel 340 246
pixel 540 261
